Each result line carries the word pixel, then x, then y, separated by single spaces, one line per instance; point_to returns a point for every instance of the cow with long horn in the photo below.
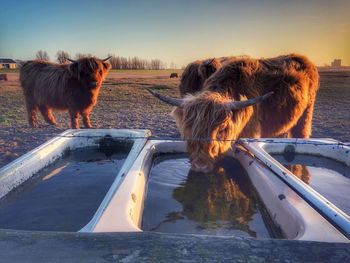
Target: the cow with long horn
pixel 246 98
pixel 73 87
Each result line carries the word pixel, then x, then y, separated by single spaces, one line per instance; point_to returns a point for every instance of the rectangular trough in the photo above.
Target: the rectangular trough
pixel 120 181
pixel 67 183
pixel 282 212
pixel 316 169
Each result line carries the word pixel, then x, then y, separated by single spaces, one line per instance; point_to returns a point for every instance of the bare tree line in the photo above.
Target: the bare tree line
pixel 62 57
pixel 117 62
pixel 42 55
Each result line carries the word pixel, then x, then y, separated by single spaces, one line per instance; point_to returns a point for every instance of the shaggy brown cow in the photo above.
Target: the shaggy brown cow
pixel 174 75
pixel 196 73
pixel 73 87
pixel 227 108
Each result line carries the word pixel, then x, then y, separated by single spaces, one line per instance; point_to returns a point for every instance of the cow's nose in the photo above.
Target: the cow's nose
pixel 93 84
pixel 204 168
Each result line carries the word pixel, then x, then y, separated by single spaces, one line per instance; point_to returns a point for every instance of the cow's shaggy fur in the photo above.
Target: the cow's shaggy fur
pixel 73 87
pixel 195 74
pixel 206 115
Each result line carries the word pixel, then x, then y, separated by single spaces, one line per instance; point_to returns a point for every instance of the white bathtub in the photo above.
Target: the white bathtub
pixel 122 207
pixel 296 218
pixel 23 168
pixel 328 148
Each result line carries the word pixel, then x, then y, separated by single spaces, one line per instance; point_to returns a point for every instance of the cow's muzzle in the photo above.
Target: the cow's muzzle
pixel 204 167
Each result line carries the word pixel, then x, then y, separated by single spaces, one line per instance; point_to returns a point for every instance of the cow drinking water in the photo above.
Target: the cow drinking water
pixel 237 101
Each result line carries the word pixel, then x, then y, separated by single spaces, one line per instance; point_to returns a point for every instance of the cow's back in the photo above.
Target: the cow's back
pixel 288 74
pixel 254 77
pixel 45 83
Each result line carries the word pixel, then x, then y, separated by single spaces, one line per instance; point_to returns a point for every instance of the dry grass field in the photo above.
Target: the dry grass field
pixel 124 103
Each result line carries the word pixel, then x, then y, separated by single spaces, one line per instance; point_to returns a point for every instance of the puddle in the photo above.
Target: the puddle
pixel 65 195
pixel 328 177
pixel 180 200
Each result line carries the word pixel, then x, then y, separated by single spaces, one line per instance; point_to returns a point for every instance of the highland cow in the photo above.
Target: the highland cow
pixel 174 75
pixel 196 73
pixel 73 87
pixel 236 102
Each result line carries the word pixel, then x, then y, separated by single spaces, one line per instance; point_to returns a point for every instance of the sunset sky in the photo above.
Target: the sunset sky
pixel 177 31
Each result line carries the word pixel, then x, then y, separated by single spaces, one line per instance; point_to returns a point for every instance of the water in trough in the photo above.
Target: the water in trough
pixel 65 195
pixel 225 202
pixel 328 177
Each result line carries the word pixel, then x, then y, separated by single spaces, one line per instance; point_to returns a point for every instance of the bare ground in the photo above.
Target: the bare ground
pixel 124 103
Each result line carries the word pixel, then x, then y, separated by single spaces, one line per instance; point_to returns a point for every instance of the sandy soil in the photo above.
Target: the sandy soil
pixel 124 103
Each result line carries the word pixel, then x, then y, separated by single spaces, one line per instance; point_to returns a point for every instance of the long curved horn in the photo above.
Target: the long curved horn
pixel 172 101
pixel 71 60
pixel 236 105
pixel 106 59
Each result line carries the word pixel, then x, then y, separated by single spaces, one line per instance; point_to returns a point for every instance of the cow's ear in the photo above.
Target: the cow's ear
pixel 106 66
pixel 74 70
pixel 209 67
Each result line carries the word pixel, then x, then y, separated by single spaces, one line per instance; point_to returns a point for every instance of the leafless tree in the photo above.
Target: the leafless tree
pixel 62 57
pixel 156 64
pixel 42 55
pixel 118 62
pixel 81 55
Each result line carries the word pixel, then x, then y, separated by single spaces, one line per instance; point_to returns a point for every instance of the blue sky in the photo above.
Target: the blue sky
pixel 177 31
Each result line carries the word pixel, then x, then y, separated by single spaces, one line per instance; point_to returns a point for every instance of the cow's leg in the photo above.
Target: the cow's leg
pixel 32 110
pixel 86 119
pixel 47 114
pixel 74 117
pixel 303 127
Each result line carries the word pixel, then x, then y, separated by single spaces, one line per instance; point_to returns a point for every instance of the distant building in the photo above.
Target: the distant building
pixel 336 63
pixel 7 63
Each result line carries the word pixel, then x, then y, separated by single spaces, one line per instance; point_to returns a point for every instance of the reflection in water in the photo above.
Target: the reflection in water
pixel 300 171
pixel 211 198
pixel 328 177
pixel 184 201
